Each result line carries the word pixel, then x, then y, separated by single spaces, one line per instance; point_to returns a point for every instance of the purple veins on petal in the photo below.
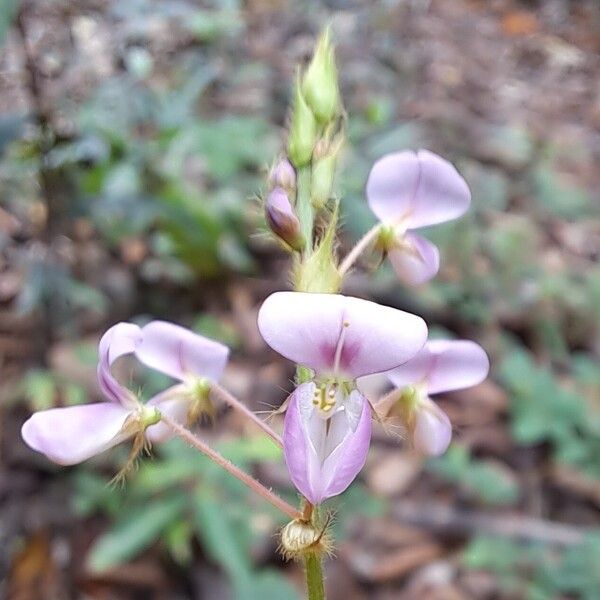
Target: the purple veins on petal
pixel 307 329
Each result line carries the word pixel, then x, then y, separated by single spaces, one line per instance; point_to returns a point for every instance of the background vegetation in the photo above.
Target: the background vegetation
pixel 134 138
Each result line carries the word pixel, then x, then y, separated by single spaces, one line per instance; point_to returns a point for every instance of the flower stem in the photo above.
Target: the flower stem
pixel 224 395
pixel 307 512
pixel 359 248
pixel 248 480
pixel 314 577
pixel 304 207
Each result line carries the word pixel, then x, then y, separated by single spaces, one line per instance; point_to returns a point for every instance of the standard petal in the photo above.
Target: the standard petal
pixel 119 340
pixel 180 353
pixel 318 330
pixel 418 189
pixel 73 434
pixel 416 261
pixel 444 365
pixel 432 430
pixel 175 403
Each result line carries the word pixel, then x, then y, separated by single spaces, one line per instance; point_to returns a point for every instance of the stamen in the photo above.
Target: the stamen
pixel 326 399
pixel 339 348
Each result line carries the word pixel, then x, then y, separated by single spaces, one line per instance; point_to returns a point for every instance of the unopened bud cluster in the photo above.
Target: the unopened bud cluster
pixel 301 184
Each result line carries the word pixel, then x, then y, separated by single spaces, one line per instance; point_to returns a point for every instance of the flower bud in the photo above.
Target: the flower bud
pixel 283 175
pixel 323 172
pixel 320 83
pixel 299 538
pixel 303 130
pixel 282 219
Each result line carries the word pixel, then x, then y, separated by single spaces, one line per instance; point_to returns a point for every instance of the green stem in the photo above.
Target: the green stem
pixel 304 207
pixel 314 577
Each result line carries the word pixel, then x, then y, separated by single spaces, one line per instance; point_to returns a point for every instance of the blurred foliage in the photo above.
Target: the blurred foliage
pixel 41 388
pixel 487 481
pixel 159 169
pixel 213 508
pixel 148 158
pixel 538 572
pixel 544 410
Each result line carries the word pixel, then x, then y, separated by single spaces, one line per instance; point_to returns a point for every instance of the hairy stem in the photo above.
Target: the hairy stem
pixel 188 437
pixel 359 248
pixel 314 577
pixel 228 398
pixel 304 207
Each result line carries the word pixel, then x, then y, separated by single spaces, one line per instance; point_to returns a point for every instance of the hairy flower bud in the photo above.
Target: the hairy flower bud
pixel 323 171
pixel 320 83
pixel 282 219
pixel 303 130
pixel 283 175
pixel 299 538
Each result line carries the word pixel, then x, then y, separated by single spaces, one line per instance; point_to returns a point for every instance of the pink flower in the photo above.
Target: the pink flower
pixel 73 434
pixel 441 366
pixel 407 191
pixel 327 427
pixel 283 175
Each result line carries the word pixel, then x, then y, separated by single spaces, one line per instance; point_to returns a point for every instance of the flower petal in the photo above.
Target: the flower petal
pixel 180 353
pixel 73 434
pixel 418 262
pixel 420 189
pixel 308 328
pixel 119 340
pixel 446 365
pixel 432 430
pixel 348 458
pixel 323 460
pixel 175 403
pixel 300 456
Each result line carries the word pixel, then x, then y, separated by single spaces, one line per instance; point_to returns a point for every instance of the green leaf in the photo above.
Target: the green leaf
pixel 220 537
pixel 134 532
pixel 488 481
pixel 8 11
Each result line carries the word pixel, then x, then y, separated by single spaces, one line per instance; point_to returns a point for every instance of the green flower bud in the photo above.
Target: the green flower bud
pixel 320 83
pixel 303 130
pixel 323 172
